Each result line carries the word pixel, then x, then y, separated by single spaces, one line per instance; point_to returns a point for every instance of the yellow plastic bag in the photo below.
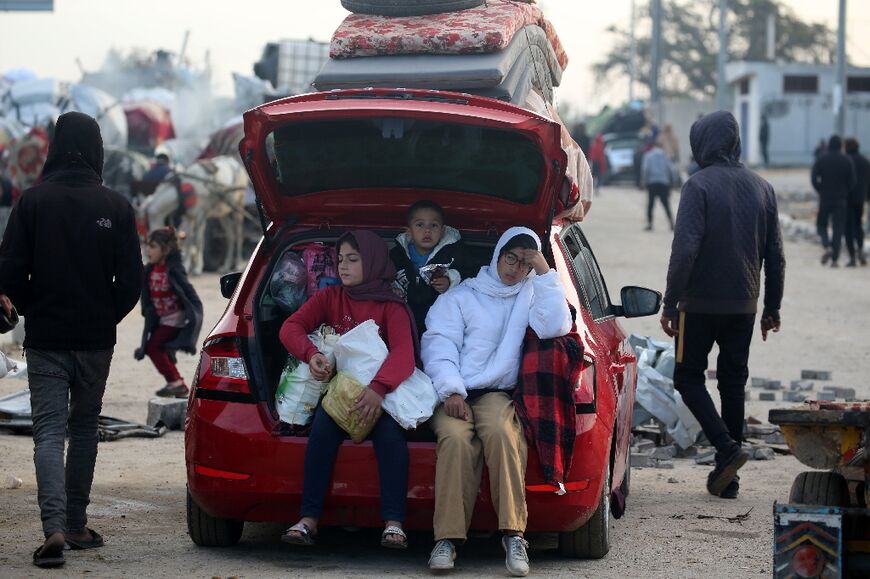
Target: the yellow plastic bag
pixel 341 396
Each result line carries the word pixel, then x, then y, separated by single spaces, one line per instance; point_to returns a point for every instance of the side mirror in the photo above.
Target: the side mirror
pixel 638 302
pixel 229 281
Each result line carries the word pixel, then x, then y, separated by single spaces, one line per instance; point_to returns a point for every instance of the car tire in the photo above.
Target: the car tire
pixel 592 540
pixel 408 7
pixel 827 489
pixel 208 531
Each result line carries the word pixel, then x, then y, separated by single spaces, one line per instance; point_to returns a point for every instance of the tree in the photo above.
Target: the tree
pixel 690 43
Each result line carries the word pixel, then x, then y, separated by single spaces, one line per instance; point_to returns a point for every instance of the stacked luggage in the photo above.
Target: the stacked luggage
pixel 501 50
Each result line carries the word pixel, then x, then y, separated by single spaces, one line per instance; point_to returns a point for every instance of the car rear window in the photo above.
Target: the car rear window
pixel 384 152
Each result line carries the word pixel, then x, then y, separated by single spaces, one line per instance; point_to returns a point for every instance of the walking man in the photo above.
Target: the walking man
pixel 727 230
pixel 70 262
pixel 859 194
pixel 833 176
pixel 658 174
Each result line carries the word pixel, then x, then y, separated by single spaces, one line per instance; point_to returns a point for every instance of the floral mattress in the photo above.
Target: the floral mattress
pixel 487 28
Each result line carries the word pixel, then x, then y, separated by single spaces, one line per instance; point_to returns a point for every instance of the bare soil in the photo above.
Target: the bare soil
pixel 672 527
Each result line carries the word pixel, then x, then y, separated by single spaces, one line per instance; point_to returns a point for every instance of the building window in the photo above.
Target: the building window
pixel 744 86
pixel 858 84
pixel 802 84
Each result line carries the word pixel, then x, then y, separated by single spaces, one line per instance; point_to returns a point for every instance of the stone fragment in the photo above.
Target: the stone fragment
pixel 643 445
pixel 639 460
pixel 773 385
pixel 169 411
pixel 758 382
pixel 825 395
pixel 792 396
pixel 774 438
pixel 816 374
pixel 763 453
pixel 802 385
pixel 767 396
pixel 662 463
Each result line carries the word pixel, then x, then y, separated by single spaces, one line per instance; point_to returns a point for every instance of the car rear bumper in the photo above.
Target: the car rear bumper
pixel 237 469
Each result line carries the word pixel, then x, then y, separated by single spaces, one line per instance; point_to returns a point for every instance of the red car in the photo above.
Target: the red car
pixel 326 162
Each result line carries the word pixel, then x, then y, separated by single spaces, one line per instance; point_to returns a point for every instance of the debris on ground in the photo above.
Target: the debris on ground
pixel 12 482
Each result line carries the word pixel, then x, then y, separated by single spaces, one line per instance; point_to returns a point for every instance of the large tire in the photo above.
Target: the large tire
pixel 592 540
pixel 408 7
pixel 826 489
pixel 208 531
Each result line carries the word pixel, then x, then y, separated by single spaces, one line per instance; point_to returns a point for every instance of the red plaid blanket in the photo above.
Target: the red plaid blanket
pixel 544 399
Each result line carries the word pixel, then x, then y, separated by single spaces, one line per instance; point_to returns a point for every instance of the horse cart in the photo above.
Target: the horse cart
pixel 824 530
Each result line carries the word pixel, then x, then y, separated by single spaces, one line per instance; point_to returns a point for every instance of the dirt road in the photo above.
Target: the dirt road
pixel 672 527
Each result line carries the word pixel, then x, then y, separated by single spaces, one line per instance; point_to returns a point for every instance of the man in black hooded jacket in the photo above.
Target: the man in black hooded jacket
pixel 70 262
pixel 833 176
pixel 858 196
pixel 727 231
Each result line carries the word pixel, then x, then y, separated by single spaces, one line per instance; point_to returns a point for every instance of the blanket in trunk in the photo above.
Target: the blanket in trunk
pixel 544 400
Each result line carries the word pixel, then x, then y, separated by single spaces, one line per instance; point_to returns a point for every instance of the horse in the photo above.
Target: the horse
pixel 210 191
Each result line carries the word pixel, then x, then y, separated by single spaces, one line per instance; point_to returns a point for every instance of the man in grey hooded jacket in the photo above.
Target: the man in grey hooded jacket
pixel 727 231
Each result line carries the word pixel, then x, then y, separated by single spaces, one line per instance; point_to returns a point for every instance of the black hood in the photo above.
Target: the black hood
pixel 77 144
pixel 835 143
pixel 715 140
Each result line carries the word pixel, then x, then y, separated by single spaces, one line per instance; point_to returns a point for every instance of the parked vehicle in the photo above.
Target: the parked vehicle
pixel 323 163
pixel 622 151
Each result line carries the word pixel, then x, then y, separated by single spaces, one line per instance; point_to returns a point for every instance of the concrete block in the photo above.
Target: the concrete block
pixel 758 382
pixel 773 385
pixel 640 460
pixel 169 411
pixel 643 445
pixel 816 374
pixel 664 452
pixel 662 463
pixel 767 396
pixel 839 392
pixel 706 458
pixel 825 395
pixel 802 385
pixel 792 396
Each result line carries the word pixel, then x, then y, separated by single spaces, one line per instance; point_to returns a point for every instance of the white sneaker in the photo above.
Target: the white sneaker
pixel 516 559
pixel 443 556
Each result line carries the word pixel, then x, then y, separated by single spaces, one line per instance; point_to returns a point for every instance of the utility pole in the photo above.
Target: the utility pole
pixel 655 56
pixel 632 57
pixel 721 85
pixel 840 84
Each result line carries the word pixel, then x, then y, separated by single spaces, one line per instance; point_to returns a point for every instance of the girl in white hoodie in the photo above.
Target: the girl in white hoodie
pixel 472 350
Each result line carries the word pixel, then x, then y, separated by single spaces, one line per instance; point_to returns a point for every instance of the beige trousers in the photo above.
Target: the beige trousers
pixel 493 433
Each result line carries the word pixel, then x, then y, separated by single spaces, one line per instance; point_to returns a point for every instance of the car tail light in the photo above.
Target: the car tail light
pixel 807 561
pixel 222 367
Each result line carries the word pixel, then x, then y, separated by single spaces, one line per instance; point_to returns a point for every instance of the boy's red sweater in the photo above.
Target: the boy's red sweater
pixel 333 307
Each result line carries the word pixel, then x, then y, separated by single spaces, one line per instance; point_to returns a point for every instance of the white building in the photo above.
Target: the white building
pixel 798 100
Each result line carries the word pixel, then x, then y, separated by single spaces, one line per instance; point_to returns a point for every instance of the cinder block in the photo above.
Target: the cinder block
pixel 169 411
pixel 816 374
pixel 838 392
pixel 773 385
pixel 643 445
pixel 825 395
pixel 792 396
pixel 664 452
pixel 759 382
pixel 662 463
pixel 640 460
pixel 767 396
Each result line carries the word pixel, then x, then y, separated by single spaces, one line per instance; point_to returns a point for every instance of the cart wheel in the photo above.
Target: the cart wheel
pixel 828 489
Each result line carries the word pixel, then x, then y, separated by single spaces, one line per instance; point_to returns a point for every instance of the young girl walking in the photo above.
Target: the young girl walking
pixel 365 293
pixel 172 310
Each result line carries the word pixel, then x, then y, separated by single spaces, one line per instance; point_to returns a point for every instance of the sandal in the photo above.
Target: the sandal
pixel 305 537
pixel 402 543
pixel 95 541
pixel 48 557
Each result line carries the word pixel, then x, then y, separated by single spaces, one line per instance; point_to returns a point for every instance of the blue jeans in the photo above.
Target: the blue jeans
pixel 66 392
pixel 391 449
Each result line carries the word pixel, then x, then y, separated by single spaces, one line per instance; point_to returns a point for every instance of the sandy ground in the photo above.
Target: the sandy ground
pixel 139 488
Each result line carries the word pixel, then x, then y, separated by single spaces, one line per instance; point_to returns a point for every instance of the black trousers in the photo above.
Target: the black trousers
pixel 662 192
pixel 835 213
pixel 698 333
pixel 854 229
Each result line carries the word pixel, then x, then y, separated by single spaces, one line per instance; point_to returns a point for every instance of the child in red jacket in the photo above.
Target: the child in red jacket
pixel 365 293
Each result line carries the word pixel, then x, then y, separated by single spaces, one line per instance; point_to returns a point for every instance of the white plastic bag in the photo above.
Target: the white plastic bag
pixel 361 352
pixel 413 401
pixel 298 391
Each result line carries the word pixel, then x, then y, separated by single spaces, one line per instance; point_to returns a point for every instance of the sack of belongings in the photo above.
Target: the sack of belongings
pixel 298 391
pixel 289 283
pixel 358 357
